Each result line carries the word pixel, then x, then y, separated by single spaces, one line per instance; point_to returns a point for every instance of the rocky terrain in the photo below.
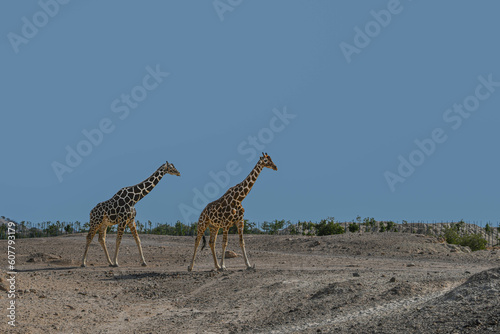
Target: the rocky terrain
pixel 351 283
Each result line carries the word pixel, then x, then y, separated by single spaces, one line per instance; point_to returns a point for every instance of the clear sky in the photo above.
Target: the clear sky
pixel 388 109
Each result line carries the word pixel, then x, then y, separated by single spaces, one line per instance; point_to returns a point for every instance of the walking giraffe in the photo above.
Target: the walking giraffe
pixel 227 211
pixel 120 210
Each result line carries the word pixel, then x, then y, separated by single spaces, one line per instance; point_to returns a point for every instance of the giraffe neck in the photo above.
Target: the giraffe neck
pixel 134 194
pixel 242 189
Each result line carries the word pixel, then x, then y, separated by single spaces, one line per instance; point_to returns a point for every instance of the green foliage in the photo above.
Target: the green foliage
pixel 51 230
pixel 488 229
pixel 382 227
pixel 473 240
pixel 391 226
pixel 329 227
pixel 273 227
pixel 68 229
pixel 291 228
pixel 353 227
pixel 369 221
pixel 451 235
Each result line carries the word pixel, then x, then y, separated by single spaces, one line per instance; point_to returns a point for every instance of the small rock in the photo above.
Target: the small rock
pixel 393 279
pixel 410 265
pixel 356 275
pixel 230 254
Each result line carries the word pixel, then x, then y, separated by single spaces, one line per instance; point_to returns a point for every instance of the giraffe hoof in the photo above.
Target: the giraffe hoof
pixel 190 269
pixel 113 265
pixel 83 265
pixel 144 264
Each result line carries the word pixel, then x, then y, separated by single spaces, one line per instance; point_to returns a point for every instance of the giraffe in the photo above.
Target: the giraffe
pixel 120 210
pixel 227 211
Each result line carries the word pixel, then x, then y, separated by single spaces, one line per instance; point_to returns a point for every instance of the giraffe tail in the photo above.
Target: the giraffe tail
pixel 204 242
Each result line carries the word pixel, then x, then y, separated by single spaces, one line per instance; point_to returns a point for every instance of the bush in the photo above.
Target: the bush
pixel 474 241
pixel 451 235
pixel 488 229
pixel 329 227
pixel 390 226
pixel 370 224
pixel 353 227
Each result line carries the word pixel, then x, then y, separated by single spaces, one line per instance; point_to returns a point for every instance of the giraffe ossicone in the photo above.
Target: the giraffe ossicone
pixel 227 211
pixel 120 210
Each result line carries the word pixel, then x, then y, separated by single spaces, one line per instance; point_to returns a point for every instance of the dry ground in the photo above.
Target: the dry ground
pixel 355 283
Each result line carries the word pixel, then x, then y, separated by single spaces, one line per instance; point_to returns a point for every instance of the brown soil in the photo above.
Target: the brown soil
pixel 355 283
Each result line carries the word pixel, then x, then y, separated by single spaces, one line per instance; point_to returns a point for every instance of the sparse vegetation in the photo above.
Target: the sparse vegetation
pixel 458 233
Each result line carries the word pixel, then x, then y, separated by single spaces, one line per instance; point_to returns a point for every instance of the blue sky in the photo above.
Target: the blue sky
pixel 388 109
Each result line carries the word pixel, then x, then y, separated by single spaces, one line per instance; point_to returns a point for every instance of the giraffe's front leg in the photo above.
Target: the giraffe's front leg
pixel 213 238
pixel 102 241
pixel 240 226
pixel 90 236
pixel 224 245
pixel 133 230
pixel 119 235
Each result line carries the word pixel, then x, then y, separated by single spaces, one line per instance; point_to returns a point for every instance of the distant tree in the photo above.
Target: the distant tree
pixel 390 226
pixel 353 227
pixel 488 229
pixel 68 228
pixel 140 226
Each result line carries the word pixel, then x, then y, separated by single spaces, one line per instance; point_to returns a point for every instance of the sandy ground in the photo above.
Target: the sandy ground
pixel 355 283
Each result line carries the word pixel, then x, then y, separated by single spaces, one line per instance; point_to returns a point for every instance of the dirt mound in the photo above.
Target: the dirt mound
pixel 483 285
pixel 472 307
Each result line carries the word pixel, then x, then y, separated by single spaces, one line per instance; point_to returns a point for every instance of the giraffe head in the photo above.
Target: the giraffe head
pixel 169 168
pixel 265 161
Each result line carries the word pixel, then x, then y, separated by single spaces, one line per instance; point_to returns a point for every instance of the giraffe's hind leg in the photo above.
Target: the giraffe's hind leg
pixel 119 235
pixel 240 226
pixel 201 230
pixel 133 230
pixel 102 241
pixel 224 245
pixel 213 238
pixel 94 225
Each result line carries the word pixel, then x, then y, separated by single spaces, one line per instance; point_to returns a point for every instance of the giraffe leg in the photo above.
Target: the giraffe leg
pixel 201 230
pixel 119 235
pixel 102 241
pixel 133 230
pixel 90 236
pixel 240 226
pixel 224 245
pixel 213 237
